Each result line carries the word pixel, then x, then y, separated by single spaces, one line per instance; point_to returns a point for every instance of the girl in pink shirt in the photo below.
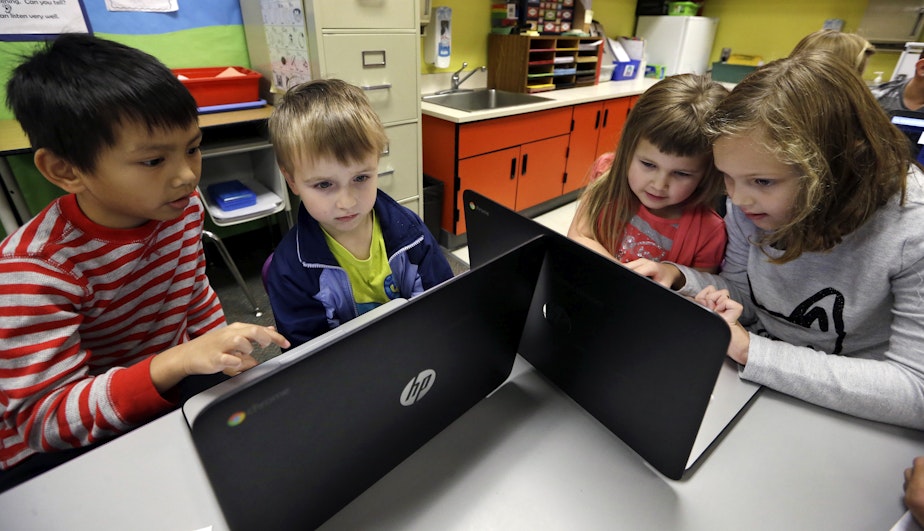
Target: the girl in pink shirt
pixel 653 198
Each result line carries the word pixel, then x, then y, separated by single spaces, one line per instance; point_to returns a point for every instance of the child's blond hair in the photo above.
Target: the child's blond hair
pixel 815 114
pixel 325 118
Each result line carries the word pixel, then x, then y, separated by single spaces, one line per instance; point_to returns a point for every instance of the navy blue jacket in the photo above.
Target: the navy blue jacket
pixel 310 293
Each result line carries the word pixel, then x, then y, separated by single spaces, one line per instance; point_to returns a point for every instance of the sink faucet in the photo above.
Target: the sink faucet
pixel 457 81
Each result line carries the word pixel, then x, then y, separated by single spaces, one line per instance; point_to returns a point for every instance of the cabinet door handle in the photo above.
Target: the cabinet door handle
pixel 386 173
pixel 597 121
pixel 513 168
pixel 606 115
pixel 376 87
pixel 523 167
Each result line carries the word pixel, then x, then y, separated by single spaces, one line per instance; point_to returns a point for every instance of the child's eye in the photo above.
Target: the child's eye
pixel 647 164
pixel 192 150
pixel 323 185
pixel 361 178
pixel 152 162
pixel 763 182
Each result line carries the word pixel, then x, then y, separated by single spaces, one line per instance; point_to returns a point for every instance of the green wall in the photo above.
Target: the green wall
pixel 751 27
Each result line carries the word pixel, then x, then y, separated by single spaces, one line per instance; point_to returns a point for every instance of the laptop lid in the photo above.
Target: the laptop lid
pixel 290 449
pixel 642 359
pixel 912 124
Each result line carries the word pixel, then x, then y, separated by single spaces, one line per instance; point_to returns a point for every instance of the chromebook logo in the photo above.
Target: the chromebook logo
pixel 236 419
pixel 418 387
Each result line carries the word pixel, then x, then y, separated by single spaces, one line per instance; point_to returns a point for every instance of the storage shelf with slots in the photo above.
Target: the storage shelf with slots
pixel 523 63
pixel 241 152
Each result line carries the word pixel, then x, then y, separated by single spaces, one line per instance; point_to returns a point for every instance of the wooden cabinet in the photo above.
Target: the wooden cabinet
pixel 522 63
pixel 518 177
pixel 375 46
pixel 519 160
pixel 596 129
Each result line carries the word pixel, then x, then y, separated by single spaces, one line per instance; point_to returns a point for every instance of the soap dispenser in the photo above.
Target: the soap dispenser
pixel 438 42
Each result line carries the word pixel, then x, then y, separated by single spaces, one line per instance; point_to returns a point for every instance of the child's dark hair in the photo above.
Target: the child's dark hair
pixel 71 95
pixel 814 113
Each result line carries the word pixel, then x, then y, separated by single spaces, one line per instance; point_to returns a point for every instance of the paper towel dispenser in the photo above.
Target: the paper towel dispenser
pixel 889 24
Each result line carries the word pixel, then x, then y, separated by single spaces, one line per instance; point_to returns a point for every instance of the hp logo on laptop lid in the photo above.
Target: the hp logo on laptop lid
pixel 418 387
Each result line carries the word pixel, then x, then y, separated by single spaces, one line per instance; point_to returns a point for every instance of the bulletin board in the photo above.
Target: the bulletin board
pixel 31 20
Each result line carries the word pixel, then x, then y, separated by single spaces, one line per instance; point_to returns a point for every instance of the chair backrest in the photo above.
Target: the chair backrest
pixel 265 269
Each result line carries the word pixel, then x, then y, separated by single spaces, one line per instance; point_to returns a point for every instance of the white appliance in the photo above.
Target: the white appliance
pixel 680 44
pixel 904 68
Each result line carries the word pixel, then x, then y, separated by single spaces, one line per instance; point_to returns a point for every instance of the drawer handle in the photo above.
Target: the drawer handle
pixel 373 58
pixel 386 173
pixel 376 87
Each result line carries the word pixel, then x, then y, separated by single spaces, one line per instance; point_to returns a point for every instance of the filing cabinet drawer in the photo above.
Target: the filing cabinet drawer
pixel 365 14
pixel 398 175
pixel 384 66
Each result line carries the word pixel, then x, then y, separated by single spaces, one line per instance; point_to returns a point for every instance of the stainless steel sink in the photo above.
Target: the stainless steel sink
pixel 480 100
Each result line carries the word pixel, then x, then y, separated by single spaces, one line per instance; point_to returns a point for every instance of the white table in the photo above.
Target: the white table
pixel 526 457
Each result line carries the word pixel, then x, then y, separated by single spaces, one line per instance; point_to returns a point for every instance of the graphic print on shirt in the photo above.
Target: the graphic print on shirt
pixel 641 240
pixel 825 307
pixel 391 289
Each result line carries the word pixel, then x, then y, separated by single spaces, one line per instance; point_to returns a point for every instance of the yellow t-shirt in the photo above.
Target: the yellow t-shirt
pixel 371 279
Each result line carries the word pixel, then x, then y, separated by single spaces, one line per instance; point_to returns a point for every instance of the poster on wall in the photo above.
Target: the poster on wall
pixel 287 42
pixel 28 20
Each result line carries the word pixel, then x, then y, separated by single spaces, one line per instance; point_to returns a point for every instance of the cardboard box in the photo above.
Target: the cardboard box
pixel 220 85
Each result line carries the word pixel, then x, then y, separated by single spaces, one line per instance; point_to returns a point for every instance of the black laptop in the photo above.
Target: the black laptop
pixel 912 124
pixel 643 360
pixel 290 447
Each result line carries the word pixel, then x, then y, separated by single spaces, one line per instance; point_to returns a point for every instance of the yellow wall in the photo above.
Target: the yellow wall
pixel 751 27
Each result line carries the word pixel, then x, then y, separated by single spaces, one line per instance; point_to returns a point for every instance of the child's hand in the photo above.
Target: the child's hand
pixel 914 489
pixel 719 301
pixel 665 274
pixel 228 349
pixel 729 310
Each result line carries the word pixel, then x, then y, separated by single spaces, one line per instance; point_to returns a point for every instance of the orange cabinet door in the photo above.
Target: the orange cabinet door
pixel 582 147
pixel 614 117
pixel 493 175
pixel 542 170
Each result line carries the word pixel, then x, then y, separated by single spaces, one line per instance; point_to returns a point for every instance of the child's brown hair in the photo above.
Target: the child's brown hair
pixel 671 115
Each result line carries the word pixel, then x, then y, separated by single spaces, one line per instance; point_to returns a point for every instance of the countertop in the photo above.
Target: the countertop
pixel 557 98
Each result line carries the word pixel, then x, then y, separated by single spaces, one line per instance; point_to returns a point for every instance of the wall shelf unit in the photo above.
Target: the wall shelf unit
pixel 523 63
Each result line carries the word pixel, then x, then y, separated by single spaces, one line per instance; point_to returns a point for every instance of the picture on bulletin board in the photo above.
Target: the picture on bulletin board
pixel 33 20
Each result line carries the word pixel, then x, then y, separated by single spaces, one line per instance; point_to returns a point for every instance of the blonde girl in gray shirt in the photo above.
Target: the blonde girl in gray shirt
pixel 824 268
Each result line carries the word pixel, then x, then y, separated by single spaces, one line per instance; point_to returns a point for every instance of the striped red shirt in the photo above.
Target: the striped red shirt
pixel 82 310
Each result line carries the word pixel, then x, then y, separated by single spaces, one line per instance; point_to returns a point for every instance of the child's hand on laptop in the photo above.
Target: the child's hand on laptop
pixel 667 275
pixel 719 301
pixel 228 349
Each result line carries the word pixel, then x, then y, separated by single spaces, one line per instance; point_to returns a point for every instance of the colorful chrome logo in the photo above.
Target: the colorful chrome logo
pixel 236 419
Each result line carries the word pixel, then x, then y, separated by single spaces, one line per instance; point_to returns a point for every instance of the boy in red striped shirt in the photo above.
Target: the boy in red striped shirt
pixel 104 303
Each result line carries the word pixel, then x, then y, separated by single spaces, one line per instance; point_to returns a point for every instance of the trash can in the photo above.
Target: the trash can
pixel 432 204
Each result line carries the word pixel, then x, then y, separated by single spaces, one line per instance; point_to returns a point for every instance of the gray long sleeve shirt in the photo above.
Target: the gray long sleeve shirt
pixel 842 329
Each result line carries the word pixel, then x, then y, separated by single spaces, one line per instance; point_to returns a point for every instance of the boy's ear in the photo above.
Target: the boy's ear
pixel 289 180
pixel 59 171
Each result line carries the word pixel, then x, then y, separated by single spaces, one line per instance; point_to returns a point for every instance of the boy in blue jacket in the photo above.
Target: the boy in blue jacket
pixel 353 247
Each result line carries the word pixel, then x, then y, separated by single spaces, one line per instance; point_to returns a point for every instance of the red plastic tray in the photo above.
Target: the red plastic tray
pixel 209 90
